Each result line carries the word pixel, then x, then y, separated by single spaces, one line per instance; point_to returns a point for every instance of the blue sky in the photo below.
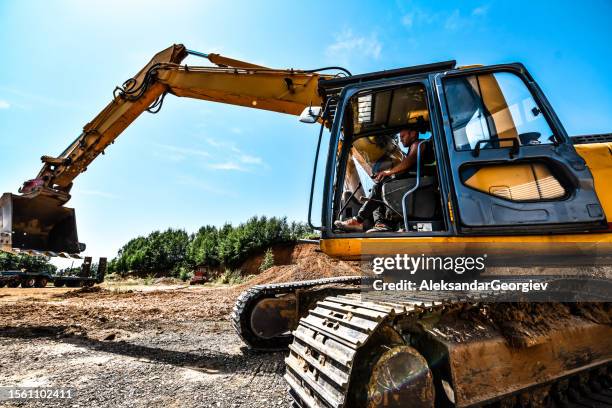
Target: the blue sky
pixel 201 163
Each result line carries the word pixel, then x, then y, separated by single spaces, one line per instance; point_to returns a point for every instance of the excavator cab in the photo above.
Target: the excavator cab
pixel 37 224
pixel 500 177
pixel 376 117
pixel 498 160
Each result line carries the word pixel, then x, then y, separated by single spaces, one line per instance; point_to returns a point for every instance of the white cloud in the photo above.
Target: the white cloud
pixel 193 182
pixel 4 104
pixel 408 20
pixel 177 153
pixel 453 21
pixel 229 165
pixel 222 145
pixel 480 11
pixel 248 159
pixel 236 159
pixel 214 143
pixel 418 17
pixel 349 45
pixel 456 21
pixel 225 156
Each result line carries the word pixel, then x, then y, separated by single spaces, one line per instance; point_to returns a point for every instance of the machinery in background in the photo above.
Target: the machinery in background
pixel 86 277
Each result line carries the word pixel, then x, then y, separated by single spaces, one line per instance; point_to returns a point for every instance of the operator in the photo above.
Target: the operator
pixel 374 207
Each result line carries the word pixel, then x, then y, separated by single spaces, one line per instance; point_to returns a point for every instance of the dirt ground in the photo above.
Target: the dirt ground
pixel 141 346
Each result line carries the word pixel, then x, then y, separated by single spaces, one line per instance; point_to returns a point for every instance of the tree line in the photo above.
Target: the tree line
pixel 173 251
pixel 14 262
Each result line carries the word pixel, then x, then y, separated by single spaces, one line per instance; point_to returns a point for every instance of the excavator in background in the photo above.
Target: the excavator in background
pixel 498 170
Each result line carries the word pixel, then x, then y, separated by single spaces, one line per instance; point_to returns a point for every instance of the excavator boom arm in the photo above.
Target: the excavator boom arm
pixel 244 84
pixel 38 221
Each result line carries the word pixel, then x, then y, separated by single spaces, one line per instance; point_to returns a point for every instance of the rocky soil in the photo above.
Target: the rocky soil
pixel 143 346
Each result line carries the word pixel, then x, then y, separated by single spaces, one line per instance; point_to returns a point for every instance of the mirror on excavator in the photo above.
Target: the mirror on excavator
pixel 37 223
pixel 310 114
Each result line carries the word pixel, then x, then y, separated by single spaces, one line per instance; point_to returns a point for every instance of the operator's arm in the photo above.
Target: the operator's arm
pixel 407 162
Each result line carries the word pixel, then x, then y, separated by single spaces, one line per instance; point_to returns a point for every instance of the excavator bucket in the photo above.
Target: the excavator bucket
pixel 37 224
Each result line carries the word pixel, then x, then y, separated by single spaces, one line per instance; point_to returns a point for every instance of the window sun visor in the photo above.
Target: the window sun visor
pixel 390 109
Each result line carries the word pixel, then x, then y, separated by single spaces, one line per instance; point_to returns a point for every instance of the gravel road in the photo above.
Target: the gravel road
pixel 172 347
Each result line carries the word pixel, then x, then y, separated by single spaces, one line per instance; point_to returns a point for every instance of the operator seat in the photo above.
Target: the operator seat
pixel 423 203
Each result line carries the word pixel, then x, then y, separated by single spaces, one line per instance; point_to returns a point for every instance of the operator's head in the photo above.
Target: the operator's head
pixel 408 135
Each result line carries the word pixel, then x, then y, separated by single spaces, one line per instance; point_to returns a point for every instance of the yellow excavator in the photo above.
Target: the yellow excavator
pixel 497 172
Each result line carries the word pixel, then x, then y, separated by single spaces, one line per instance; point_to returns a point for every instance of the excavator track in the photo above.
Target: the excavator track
pixel 246 302
pixel 323 362
pixel 321 358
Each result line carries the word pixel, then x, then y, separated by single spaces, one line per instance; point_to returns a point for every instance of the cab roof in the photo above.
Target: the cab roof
pixel 341 82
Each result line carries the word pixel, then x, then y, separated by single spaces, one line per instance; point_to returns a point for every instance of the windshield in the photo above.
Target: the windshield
pixel 492 109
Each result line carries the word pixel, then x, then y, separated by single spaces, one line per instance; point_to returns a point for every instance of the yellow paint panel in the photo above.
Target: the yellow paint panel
pixel 265 89
pixel 598 157
pixel 548 185
pixel 496 104
pixel 352 248
pixel 517 182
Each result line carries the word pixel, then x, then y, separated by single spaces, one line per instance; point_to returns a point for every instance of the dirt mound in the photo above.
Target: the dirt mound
pixel 125 305
pixel 168 281
pixel 283 255
pixel 81 291
pixel 306 262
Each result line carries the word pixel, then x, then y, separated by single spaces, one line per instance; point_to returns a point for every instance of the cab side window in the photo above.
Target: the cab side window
pixel 492 109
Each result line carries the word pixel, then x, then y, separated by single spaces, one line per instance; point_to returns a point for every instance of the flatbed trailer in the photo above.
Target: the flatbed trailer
pixel 28 279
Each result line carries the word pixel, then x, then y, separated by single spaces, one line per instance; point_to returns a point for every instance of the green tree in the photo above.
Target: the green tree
pixel 173 250
pixel 204 247
pixel 163 252
pixel 268 260
pixel 22 261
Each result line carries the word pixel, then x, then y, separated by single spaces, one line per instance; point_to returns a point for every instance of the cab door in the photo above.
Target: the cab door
pixel 513 167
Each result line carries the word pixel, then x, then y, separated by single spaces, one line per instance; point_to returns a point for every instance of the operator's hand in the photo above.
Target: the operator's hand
pixel 381 175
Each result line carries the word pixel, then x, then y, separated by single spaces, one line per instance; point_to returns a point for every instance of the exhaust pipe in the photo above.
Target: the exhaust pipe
pixel 39 223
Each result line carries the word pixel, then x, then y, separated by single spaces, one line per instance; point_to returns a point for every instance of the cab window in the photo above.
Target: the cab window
pixel 490 110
